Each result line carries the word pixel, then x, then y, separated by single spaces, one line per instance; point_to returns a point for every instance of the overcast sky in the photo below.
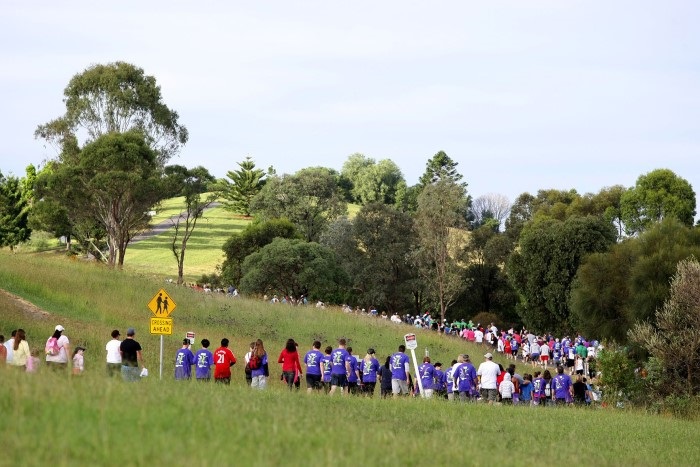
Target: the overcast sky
pixel 523 94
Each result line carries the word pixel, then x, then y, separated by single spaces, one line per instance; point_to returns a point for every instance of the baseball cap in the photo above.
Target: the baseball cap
pixel 488 355
pixel 60 328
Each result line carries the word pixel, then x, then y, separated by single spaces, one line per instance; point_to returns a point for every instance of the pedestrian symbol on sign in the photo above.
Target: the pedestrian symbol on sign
pixel 161 305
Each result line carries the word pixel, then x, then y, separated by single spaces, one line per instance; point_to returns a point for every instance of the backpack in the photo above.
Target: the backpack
pixel 52 347
pixel 255 362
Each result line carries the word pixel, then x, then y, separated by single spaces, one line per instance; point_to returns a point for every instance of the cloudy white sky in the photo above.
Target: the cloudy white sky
pixel 523 94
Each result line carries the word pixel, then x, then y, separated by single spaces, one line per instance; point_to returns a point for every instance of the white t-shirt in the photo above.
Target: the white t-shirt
pixel 478 336
pixel 544 350
pixel 62 356
pixel 489 372
pixel 10 346
pixel 113 353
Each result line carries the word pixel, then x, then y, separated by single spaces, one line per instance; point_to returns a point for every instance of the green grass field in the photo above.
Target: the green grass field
pixel 154 255
pixel 90 420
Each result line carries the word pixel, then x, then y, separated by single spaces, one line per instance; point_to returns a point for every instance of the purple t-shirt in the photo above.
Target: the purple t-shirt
pixel 204 361
pixel 466 377
pixel 312 359
pixel 260 371
pixel 353 370
pixel 439 378
pixel 538 386
pixel 427 373
pixel 562 386
pixel 327 366
pixel 338 359
pixel 398 365
pixel 184 359
pixel 369 370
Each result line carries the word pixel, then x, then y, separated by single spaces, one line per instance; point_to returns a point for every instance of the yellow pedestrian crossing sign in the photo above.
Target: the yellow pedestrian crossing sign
pixel 161 304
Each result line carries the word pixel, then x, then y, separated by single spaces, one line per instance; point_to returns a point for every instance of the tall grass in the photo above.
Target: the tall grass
pixel 90 420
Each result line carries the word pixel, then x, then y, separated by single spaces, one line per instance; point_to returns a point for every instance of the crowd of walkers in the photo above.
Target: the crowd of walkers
pixel 553 362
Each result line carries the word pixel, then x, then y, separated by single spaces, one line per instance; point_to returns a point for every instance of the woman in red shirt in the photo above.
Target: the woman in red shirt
pixel 291 367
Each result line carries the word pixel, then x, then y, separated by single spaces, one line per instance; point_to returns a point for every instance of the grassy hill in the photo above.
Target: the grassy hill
pixel 90 420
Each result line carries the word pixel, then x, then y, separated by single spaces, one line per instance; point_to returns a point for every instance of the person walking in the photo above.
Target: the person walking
pixel 289 358
pixel 204 360
pixel 132 358
pixel 400 370
pixel 369 367
pixel 114 357
pixel 385 378
pixel 247 370
pixel 340 368
pixel 10 347
pixel 223 361
pixel 61 359
pixel 20 350
pixel 314 372
pixel 488 373
pixel 184 359
pixel 259 374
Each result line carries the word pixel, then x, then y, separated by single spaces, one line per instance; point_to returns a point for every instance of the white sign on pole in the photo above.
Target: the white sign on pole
pixel 412 344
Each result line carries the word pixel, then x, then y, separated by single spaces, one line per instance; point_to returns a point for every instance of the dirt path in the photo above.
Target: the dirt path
pixel 25 306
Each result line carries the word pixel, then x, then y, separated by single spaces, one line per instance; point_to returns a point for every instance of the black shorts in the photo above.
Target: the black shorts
pixel 569 363
pixel 339 380
pixel 313 381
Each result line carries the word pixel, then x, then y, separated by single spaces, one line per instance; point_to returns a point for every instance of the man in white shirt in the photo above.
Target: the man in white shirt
pixel 488 379
pixel 114 356
pixel 478 336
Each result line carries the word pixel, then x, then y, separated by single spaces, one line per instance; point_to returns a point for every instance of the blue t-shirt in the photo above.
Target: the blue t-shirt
pixel 398 365
pixel 327 367
pixel 427 373
pixel 562 385
pixel 338 359
pixel 184 359
pixel 354 367
pixel 260 371
pixel 439 379
pixel 526 391
pixel 204 361
pixel 369 370
pixel 466 377
pixel 312 359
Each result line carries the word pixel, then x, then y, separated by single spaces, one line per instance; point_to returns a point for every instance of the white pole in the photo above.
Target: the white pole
pixel 415 365
pixel 161 356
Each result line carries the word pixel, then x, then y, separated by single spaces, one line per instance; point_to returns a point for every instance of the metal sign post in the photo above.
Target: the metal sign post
pixel 412 344
pixel 161 305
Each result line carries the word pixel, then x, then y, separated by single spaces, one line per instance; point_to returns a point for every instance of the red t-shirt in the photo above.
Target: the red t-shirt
pixel 289 360
pixel 223 358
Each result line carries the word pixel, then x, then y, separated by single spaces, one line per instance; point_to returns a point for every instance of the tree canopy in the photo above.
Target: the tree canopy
pixel 657 195
pixel 543 267
pixel 116 98
pixel 14 212
pixel 242 186
pixel 292 267
pixel 113 181
pixel 310 199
